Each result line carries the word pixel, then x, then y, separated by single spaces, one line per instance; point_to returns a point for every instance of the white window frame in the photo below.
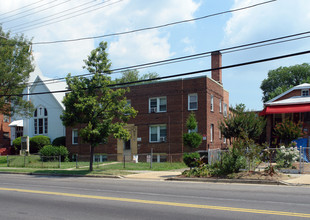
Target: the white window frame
pixel 220 134
pixel 41 114
pixel 160 137
pixel 6 118
pixel 220 105
pixel 157 108
pixel 211 132
pixel 75 134
pixel 303 91
pixel 189 101
pixel 225 110
pixel 212 103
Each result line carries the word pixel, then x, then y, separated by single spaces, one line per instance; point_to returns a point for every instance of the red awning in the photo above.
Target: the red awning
pixel 278 109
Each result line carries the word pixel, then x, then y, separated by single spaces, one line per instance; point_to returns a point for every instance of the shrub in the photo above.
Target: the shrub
pixel 203 171
pixel 231 162
pixel 191 159
pixel 17 143
pixel 288 131
pixel 38 142
pixel 192 140
pixel 52 151
pixel 286 156
pixel 60 141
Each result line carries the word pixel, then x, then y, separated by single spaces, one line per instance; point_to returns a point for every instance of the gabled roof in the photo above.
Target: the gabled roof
pixel 291 101
pixel 52 86
pixel 301 86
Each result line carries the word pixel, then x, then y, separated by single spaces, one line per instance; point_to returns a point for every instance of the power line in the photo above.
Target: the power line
pixel 21 8
pixel 27 11
pixel 23 30
pixel 179 75
pixel 153 27
pixel 32 13
pixel 199 55
pixel 36 20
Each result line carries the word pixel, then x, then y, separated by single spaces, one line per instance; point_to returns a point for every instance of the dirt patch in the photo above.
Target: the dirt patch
pixel 255 175
pixel 259 176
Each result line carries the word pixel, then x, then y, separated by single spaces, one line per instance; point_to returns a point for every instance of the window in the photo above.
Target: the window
pixel 158 133
pixel 75 136
pixel 225 110
pixel 158 104
pixel 193 130
pixel 220 134
pixel 40 121
pixel 192 101
pixel 212 106
pixel 305 92
pixel 211 132
pixel 6 135
pixel 220 105
pixel 128 103
pixel 6 118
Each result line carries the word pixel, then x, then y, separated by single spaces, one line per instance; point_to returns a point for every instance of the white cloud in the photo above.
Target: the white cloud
pixel 139 48
pixel 276 18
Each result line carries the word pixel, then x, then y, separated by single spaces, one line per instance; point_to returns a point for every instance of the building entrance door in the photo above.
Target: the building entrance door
pixel 127 150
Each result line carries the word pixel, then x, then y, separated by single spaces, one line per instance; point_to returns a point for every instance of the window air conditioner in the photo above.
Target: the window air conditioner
pixel 162 139
pixel 153 110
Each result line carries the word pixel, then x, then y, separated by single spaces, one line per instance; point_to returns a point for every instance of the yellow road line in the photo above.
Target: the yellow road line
pixel 221 208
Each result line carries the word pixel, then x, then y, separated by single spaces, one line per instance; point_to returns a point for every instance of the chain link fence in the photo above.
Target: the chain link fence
pixel 33 161
pixel 288 161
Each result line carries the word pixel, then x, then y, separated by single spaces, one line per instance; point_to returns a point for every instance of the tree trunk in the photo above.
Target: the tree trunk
pixel 91 157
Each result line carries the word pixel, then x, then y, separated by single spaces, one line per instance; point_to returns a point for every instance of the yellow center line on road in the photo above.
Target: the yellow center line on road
pixel 221 208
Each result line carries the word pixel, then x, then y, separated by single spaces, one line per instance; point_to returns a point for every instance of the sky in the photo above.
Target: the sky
pixel 53 20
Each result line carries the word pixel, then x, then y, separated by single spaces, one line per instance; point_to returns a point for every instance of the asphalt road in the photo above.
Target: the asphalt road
pixel 57 198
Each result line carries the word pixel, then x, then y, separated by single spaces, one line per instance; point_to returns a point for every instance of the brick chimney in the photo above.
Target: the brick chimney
pixel 216 62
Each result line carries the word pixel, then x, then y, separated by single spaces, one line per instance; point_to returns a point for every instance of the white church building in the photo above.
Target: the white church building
pixel 45 119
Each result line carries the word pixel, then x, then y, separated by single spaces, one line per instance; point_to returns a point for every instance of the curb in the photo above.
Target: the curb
pixel 64 175
pixel 245 181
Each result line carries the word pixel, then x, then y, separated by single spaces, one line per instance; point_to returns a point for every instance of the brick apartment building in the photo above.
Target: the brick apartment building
pixel 163 108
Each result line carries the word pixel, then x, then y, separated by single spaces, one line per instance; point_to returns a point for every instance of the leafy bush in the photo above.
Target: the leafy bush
pixel 52 151
pixel 288 131
pixel 231 162
pixel 193 140
pixel 17 143
pixel 191 159
pixel 286 156
pixel 60 141
pixel 202 171
pixel 38 142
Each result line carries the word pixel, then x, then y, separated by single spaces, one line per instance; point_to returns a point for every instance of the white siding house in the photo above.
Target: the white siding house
pixel 45 119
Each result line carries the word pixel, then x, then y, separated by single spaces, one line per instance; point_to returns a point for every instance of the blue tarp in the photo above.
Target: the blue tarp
pixel 302 143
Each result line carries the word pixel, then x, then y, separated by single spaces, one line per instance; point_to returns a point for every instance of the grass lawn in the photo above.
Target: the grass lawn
pixel 33 164
pixel 145 166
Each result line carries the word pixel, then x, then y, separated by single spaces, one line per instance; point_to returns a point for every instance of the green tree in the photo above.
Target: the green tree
pixel 192 139
pixel 15 67
pixel 133 75
pixel 91 102
pixel 287 131
pixel 242 124
pixel 284 78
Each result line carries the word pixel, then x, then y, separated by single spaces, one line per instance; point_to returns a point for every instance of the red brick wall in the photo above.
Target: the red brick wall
pixel 4 128
pixel 175 118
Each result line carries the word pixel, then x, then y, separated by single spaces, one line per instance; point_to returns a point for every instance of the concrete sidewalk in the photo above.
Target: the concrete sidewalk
pixel 153 175
pixel 297 179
